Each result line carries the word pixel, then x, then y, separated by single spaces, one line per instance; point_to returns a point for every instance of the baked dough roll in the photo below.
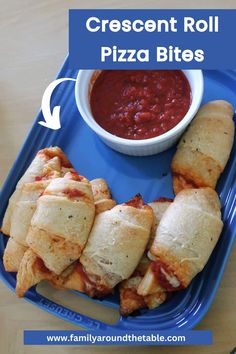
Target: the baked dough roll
pixel 159 207
pixel 115 246
pixel 24 209
pixel 184 241
pixel 204 149
pixel 48 164
pixel 62 221
pixel 130 300
pixel 45 163
pixel 33 270
pixel 20 223
pixel 13 255
pixel 102 195
pixel 72 277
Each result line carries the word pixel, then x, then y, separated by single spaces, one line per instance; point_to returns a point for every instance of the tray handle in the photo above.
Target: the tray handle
pixel 64 313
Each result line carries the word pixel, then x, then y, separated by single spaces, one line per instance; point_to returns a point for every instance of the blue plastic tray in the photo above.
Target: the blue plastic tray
pixel 127 176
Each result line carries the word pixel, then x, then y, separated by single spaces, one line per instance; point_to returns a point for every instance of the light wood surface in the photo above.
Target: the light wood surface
pixel 33 42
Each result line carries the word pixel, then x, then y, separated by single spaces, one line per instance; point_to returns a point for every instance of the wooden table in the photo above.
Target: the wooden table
pixel 33 45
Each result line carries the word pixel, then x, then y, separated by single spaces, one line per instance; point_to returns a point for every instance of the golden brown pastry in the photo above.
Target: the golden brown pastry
pixel 159 207
pixel 48 164
pixel 25 207
pixel 24 210
pixel 130 300
pixel 102 195
pixel 33 269
pixel 204 149
pixel 184 241
pixel 115 246
pixel 13 255
pixel 45 164
pixel 62 221
pixel 72 277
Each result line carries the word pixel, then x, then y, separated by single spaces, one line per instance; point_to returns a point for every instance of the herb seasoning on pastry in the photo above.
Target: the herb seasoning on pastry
pixel 130 300
pixel 184 240
pixel 32 268
pixel 74 277
pixel 45 164
pixel 102 195
pixel 48 164
pixel 62 221
pixel 204 149
pixel 13 255
pixel 116 243
pixel 115 246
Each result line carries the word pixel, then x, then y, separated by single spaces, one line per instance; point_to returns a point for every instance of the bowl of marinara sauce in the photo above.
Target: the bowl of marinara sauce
pixel 139 112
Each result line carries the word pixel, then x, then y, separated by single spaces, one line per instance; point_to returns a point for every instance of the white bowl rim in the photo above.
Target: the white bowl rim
pixel 84 111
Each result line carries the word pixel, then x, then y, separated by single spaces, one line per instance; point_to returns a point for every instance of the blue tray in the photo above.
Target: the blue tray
pixel 126 177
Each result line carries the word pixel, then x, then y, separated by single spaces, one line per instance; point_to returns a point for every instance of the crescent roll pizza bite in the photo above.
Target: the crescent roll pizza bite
pixel 62 221
pixel 102 195
pixel 130 300
pixel 116 243
pixel 159 207
pixel 115 246
pixel 25 207
pixel 73 276
pixel 184 240
pixel 204 149
pixel 48 164
pixel 13 255
pixel 33 269
pixel 45 164
pixel 20 223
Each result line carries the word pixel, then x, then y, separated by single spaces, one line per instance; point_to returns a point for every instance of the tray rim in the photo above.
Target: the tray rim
pixel 86 321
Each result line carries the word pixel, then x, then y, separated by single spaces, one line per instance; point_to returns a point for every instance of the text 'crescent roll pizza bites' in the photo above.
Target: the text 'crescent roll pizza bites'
pixel 46 162
pixel 130 300
pixel 62 221
pixel 182 248
pixel 204 149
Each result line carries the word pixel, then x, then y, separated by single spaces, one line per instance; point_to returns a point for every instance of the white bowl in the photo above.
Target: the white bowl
pixel 144 147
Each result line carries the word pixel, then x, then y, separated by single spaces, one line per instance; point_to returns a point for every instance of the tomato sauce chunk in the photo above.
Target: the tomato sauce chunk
pixel 140 104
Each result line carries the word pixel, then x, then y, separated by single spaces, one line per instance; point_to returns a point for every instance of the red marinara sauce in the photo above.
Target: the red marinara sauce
pixel 161 278
pixel 73 193
pixel 140 104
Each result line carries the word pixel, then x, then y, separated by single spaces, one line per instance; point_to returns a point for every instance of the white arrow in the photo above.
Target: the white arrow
pixel 52 120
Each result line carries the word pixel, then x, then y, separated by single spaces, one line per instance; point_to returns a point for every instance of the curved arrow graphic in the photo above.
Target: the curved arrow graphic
pixel 52 119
